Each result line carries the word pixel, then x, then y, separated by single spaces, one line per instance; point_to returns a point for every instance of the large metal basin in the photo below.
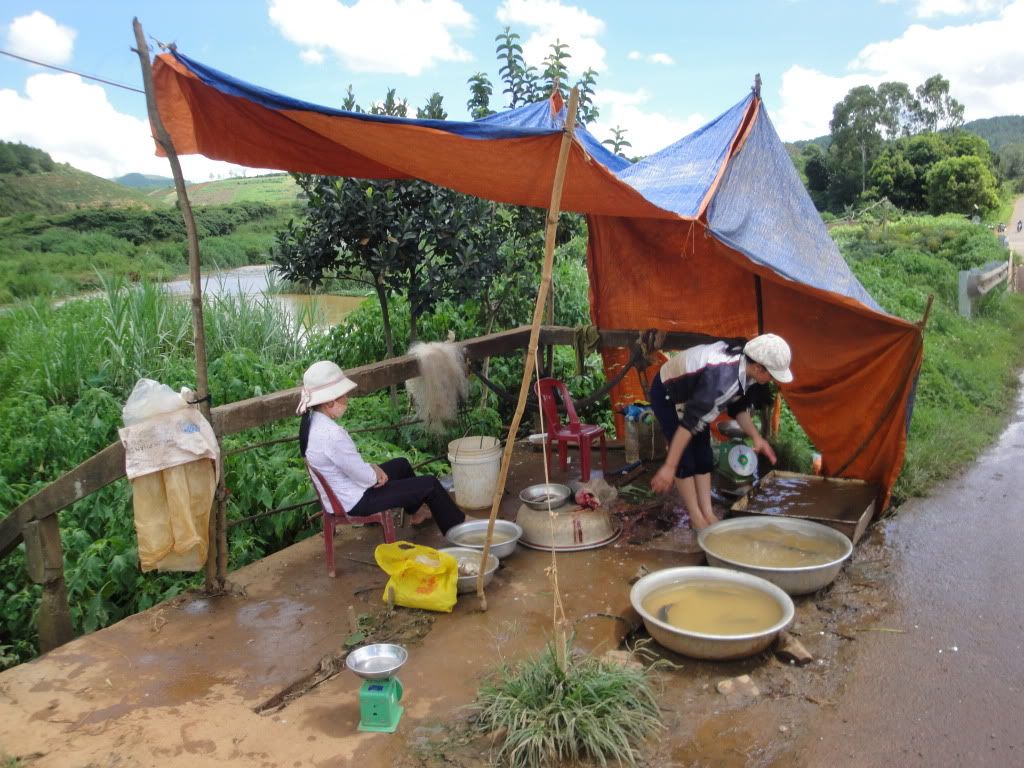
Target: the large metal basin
pixel 504 527
pixel 799 580
pixel 697 644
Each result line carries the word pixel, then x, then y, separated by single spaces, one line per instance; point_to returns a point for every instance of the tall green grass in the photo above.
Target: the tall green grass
pixel 590 711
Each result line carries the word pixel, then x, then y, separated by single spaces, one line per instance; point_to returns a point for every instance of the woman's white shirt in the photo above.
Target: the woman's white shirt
pixel 334 455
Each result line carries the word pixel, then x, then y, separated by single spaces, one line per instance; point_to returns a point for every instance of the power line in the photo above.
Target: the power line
pixel 71 72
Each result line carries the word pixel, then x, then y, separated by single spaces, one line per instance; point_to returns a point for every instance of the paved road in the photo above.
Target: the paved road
pixel 946 687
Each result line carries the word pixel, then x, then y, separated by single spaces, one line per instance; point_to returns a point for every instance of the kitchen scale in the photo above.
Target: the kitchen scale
pixel 736 463
pixel 376 664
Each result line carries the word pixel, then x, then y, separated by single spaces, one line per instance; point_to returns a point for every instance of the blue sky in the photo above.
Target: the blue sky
pixel 664 67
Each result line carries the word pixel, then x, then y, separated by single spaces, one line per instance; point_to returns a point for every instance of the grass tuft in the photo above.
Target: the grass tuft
pixel 594 710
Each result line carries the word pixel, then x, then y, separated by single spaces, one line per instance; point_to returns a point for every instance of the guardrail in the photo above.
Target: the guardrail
pixel 975 283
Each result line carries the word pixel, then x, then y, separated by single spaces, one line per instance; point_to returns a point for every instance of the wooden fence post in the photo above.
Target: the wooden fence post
pixel 44 558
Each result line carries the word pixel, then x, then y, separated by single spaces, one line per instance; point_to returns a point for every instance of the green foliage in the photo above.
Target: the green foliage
pixel 590 711
pixel 998 131
pixel 22 159
pixel 967 380
pixel 961 184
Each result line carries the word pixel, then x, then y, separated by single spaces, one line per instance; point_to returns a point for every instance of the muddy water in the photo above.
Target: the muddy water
pixel 712 607
pixel 253 281
pixel 811 497
pixel 773 546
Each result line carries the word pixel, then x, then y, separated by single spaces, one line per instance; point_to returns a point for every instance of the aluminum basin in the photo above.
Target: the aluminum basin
pixel 468 583
pixel 700 645
pixel 376 661
pixel 797 580
pixel 545 496
pixel 504 527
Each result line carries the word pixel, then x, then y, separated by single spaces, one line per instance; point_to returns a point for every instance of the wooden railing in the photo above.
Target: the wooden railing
pixel 35 521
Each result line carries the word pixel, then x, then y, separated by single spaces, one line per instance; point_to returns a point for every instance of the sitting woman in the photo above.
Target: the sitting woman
pixel 363 489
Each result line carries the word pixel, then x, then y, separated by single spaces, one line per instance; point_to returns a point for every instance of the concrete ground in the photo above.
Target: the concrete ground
pixel 917 656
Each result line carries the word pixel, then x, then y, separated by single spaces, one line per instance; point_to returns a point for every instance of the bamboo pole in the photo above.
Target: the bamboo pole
pixel 216 561
pixel 554 209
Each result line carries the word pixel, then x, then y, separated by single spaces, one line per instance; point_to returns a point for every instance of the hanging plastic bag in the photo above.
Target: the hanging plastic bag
pixel 421 576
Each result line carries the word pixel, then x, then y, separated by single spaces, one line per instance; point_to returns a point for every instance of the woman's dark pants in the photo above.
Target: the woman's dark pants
pixel 404 489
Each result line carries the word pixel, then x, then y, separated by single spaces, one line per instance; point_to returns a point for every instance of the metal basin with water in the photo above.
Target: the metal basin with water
pixel 698 644
pixel 470 535
pixel 794 580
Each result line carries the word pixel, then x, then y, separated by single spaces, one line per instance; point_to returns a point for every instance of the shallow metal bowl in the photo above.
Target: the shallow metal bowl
pixel 468 583
pixel 505 527
pixel 700 645
pixel 799 580
pixel 376 661
pixel 545 495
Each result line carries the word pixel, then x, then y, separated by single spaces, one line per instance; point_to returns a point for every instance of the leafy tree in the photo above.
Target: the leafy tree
pixel 1011 161
pixel 816 168
pixel 520 80
pixel 618 141
pixel 893 176
pixel 939 110
pixel 391 106
pixel 899 109
pixel 855 137
pixel 961 184
pixel 349 104
pixel 480 90
pixel 433 109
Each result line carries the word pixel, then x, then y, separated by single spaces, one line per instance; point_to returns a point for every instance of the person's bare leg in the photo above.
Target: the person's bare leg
pixel 420 516
pixel 688 490
pixel 707 509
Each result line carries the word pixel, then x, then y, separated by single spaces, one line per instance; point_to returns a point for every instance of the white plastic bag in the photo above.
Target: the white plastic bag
pixel 150 398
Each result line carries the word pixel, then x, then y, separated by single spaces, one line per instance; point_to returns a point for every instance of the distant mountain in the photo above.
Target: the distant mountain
pixel 998 131
pixel 821 141
pixel 144 181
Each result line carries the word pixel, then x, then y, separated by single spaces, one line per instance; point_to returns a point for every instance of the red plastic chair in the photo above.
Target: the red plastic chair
pixel 573 433
pixel 334 514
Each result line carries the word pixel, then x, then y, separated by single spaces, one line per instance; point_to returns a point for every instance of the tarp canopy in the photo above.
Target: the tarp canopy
pixel 715 234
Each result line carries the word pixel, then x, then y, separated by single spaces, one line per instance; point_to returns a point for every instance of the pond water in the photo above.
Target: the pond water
pixel 254 280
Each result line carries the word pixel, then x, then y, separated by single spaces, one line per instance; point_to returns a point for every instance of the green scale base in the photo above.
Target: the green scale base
pixel 379 710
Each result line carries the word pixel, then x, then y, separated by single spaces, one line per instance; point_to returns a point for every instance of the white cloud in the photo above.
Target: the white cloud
pixel 646 131
pixel 39 37
pixel 75 123
pixel 927 9
pixel 551 21
pixel 635 56
pixel 661 58
pixel 311 56
pixel 983 61
pixel 395 36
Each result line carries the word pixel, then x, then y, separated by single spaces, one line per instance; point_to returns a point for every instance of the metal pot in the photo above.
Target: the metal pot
pixel 505 527
pixel 545 496
pixel 798 580
pixel 468 583
pixel 698 644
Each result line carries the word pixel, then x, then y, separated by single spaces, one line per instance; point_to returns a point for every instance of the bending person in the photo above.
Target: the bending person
pixel 362 488
pixel 689 392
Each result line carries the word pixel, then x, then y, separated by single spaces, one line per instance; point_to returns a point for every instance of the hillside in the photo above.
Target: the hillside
pixel 144 181
pixel 274 189
pixel 999 131
pixel 62 189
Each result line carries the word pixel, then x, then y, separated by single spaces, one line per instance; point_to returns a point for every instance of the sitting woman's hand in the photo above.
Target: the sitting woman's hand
pixel 382 476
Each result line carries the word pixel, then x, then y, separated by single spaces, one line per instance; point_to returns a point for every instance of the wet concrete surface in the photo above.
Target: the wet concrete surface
pixel 946 686
pixel 181 683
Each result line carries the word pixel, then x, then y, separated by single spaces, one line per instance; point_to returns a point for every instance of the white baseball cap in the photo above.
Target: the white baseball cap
pixel 773 353
pixel 321 383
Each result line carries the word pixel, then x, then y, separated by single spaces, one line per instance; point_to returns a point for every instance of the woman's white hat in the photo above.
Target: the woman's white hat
pixel 321 383
pixel 773 353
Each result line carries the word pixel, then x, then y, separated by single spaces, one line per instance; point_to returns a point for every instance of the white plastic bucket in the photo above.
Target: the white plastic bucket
pixel 475 464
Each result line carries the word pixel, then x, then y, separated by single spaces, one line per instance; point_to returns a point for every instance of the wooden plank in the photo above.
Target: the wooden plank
pixel 10 534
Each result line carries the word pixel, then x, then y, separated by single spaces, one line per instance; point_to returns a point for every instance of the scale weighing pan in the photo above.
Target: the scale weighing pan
pixel 376 661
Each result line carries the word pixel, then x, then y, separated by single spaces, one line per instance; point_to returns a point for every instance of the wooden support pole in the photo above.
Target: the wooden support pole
pixel 554 209
pixel 216 561
pixel 44 559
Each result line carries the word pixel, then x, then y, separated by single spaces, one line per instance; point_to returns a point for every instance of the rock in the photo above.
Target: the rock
pixel 736 689
pixel 792 650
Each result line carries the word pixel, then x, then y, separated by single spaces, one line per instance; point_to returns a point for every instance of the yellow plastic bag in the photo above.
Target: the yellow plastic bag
pixel 421 576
